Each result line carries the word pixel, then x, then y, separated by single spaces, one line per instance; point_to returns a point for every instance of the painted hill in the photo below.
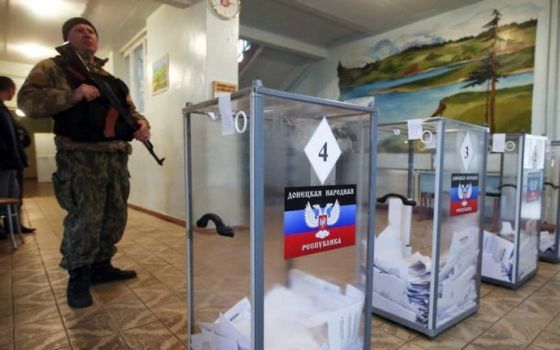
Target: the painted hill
pixel 515 54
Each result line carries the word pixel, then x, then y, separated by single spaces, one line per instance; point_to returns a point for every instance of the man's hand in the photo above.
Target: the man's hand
pixel 143 132
pixel 86 92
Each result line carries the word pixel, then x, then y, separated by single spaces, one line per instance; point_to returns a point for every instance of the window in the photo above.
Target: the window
pixel 134 55
pixel 242 47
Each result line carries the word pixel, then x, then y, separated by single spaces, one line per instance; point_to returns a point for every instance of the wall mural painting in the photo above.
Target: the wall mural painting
pixel 482 74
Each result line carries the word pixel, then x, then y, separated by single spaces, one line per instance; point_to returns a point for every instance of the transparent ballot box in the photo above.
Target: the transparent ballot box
pixel 549 244
pixel 279 205
pixel 512 214
pixel 430 181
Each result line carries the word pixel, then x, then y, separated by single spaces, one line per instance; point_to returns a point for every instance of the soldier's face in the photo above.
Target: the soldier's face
pixel 83 37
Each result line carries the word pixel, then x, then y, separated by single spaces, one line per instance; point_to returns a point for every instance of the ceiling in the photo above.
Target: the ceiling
pixel 289 35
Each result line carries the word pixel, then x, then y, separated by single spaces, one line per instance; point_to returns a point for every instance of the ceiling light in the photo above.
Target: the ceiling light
pixel 20 113
pixel 55 9
pixel 32 50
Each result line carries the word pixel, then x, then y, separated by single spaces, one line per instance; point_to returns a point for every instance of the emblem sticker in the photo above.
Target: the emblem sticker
pixel 317 219
pixel 464 194
pixel 534 187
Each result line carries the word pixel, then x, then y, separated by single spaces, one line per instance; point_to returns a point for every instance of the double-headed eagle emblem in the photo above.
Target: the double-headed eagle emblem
pixel 464 193
pixel 317 217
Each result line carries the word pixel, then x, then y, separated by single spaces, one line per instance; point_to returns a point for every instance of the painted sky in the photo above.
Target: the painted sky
pixel 448 26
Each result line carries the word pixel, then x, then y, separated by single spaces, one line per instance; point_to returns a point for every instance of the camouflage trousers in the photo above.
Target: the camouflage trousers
pixel 93 188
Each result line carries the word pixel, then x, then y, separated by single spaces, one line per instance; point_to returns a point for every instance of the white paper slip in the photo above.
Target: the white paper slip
pixel 224 104
pixel 498 142
pixel 414 129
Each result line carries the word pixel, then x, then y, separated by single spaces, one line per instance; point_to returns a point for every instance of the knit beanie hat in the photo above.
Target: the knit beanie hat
pixel 67 26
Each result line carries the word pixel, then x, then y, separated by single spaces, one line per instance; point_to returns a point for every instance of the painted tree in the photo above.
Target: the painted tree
pixel 487 72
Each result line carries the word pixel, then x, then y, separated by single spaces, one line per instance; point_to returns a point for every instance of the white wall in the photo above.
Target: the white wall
pixel 18 72
pixel 322 78
pixel 201 48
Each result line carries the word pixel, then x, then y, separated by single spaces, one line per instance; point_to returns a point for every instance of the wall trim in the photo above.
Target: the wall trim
pixel 158 215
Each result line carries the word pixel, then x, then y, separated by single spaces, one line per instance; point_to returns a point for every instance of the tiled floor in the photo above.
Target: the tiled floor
pixel 150 312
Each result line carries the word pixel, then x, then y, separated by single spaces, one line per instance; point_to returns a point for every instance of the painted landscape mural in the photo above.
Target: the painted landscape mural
pixel 482 77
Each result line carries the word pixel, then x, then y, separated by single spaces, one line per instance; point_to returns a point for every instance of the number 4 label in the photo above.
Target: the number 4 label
pixel 322 150
pixel 323 153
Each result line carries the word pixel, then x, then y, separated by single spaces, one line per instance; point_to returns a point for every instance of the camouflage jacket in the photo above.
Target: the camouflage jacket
pixel 47 92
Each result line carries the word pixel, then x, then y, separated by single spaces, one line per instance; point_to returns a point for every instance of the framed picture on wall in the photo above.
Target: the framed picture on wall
pixel 160 75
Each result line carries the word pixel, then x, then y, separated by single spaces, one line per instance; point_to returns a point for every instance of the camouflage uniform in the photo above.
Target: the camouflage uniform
pixel 91 181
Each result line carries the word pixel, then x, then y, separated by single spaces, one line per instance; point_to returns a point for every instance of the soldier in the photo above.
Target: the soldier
pixel 91 181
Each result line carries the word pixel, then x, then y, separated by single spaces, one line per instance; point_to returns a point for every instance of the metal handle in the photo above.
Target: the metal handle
pixel 551 185
pixel 221 228
pixel 508 185
pixel 406 201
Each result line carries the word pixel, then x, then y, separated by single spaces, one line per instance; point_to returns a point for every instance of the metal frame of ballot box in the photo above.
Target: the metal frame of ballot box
pixel 514 184
pixel 430 179
pixel 551 209
pixel 248 157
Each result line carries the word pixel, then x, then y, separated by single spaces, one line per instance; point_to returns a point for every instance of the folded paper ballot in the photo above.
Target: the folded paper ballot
pixel 547 241
pixel 311 314
pixel 402 281
pixel 497 257
pixel 528 254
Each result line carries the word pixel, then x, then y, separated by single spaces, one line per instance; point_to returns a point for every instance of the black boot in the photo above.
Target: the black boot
pixel 77 293
pixel 103 272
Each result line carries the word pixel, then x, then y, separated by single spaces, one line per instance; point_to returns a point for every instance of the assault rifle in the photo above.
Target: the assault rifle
pixel 77 62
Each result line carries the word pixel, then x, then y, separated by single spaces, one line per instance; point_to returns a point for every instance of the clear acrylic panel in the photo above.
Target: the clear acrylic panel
pixel 531 205
pixel 549 235
pixel 460 215
pixel 514 186
pixel 428 228
pixel 315 224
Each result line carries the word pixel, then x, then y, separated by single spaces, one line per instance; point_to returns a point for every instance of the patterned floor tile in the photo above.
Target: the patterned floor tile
pixel 173 316
pixel 93 342
pixel 92 321
pixel 154 295
pixel 522 325
pixel 35 314
pixel 41 335
pixel 113 293
pixel 151 336
pixel 548 340
pixel 465 331
pixel 130 315
pixel 6 307
pixel 41 297
pixel 535 303
pixel 496 341
pixel 383 340
pixel 409 346
pixel 554 326
pixel 442 342
pixel 489 313
pixel 396 330
pixel 6 331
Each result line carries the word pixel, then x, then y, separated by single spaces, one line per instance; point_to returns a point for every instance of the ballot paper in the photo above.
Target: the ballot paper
pixel 497 257
pixel 547 241
pixel 311 314
pixel 402 282
pixel 528 254
pixel 457 291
